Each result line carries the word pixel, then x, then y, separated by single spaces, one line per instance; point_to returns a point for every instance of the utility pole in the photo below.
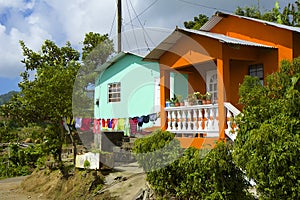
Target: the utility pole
pixel 119 25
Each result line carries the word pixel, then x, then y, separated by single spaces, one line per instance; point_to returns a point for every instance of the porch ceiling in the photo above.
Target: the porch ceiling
pixel 178 33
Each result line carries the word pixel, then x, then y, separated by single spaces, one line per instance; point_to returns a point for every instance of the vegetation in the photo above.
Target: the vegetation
pixel 190 174
pixel 290 15
pixel 197 23
pixel 45 95
pixel 6 97
pixel 268 142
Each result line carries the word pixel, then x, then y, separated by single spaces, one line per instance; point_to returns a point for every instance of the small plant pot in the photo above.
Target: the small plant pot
pixel 168 103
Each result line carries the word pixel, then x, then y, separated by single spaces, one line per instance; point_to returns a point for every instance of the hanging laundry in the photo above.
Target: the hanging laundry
pixel 133 127
pixel 127 128
pixel 109 123
pixel 104 124
pixel 114 123
pixel 121 124
pixel 70 122
pixel 78 122
pixel 153 117
pixel 96 127
pixel 85 124
pixel 140 121
pixel 65 125
pixel 145 118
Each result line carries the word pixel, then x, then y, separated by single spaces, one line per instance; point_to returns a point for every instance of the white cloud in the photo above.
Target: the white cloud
pixel 64 20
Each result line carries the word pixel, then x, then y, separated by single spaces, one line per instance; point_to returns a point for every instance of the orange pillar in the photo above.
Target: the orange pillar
pixel 223 70
pixel 164 95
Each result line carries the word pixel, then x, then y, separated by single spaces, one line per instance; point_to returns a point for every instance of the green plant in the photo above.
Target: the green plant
pixel 268 141
pixel 86 164
pixel 208 96
pixel 191 98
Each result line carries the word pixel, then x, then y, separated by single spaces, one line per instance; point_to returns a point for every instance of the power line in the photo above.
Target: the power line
pixel 144 31
pixel 204 6
pixel 146 9
pixel 131 24
pixel 112 24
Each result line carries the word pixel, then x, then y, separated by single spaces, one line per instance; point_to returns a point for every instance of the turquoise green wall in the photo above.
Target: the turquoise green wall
pixel 137 88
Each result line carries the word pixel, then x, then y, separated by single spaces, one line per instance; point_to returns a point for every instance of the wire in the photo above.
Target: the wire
pixel 132 25
pixel 204 6
pixel 112 24
pixel 146 9
pixel 144 31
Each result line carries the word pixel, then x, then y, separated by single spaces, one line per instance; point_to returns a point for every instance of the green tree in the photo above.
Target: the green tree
pixel 290 14
pixel 96 49
pixel 268 142
pixel 46 90
pixel 197 23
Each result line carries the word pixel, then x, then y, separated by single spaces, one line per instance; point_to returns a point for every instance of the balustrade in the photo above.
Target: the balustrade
pixel 202 119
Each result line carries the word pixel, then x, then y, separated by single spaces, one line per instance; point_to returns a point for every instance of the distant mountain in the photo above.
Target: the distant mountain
pixel 6 97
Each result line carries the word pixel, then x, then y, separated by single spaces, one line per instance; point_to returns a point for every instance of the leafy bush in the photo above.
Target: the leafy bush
pixel 268 142
pixel 193 173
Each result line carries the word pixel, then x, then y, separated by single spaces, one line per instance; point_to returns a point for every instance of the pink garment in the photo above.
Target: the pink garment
pixel 85 124
pixel 96 128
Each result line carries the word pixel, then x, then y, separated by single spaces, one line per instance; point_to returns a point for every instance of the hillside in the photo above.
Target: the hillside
pixel 5 97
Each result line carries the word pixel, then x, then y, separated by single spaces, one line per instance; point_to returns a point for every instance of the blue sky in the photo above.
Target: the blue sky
pixel 34 21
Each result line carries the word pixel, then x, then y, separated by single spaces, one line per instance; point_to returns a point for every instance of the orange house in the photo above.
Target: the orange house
pixel 215 59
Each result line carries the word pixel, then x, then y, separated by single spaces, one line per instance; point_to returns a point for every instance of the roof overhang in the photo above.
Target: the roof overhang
pixel 178 33
pixel 114 60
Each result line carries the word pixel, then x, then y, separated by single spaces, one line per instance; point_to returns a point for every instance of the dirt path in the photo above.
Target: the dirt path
pixel 10 189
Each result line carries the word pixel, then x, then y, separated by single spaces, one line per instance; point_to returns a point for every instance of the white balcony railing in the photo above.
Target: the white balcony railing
pixel 202 119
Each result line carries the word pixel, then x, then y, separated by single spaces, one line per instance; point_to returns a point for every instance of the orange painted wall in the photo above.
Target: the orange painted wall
pixel 296 38
pixel 257 32
pixel 198 143
pixel 188 51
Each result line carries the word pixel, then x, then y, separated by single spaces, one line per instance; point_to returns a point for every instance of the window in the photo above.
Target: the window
pixel 114 92
pixel 212 84
pixel 257 70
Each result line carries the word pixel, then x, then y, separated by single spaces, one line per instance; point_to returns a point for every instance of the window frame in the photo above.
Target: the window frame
pixel 254 71
pixel 114 92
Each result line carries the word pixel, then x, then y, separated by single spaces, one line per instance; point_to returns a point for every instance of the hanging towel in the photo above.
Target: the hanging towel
pixel 133 127
pixel 85 124
pixel 114 123
pixel 96 127
pixel 145 119
pixel 140 121
pixel 127 127
pixel 109 123
pixel 78 122
pixel 121 124
pixel 153 117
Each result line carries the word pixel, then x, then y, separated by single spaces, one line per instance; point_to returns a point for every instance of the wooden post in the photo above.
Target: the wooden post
pixel 119 25
pixel 164 95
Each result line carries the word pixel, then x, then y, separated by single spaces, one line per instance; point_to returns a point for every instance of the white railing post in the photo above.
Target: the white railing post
pixel 169 120
pixel 179 120
pixel 200 119
pixel 174 120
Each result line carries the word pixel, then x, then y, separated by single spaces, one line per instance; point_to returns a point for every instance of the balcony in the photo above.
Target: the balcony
pixel 187 121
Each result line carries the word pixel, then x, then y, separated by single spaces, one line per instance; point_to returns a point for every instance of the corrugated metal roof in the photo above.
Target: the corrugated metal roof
pixel 114 59
pixel 166 44
pixel 225 39
pixel 216 19
pixel 211 23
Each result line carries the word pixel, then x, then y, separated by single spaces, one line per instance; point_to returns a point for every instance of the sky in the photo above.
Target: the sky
pixel 34 21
